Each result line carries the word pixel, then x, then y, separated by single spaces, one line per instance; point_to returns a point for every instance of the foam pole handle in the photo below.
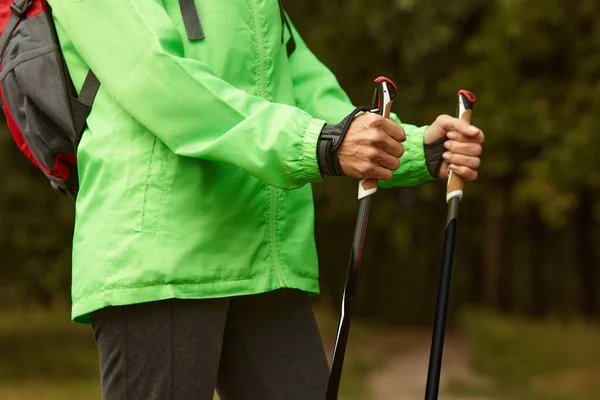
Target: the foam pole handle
pixel 456 183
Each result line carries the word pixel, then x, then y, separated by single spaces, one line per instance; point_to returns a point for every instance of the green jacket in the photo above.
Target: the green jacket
pixel 196 166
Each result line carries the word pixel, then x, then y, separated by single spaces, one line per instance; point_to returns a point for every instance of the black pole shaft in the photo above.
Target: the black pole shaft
pixel 348 300
pixel 439 327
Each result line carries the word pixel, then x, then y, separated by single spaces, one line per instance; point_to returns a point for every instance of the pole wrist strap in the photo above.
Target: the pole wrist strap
pixel 330 139
pixel 433 156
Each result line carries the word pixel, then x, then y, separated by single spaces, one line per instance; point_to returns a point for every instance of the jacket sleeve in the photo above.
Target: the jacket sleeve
pixel 180 100
pixel 318 92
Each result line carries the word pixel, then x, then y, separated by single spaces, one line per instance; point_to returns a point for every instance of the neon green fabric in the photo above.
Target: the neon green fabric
pixel 196 166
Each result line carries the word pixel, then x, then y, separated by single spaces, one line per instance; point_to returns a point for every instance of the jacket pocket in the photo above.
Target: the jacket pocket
pixel 157 184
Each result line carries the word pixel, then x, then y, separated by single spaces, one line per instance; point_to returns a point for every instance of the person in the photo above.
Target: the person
pixel 193 249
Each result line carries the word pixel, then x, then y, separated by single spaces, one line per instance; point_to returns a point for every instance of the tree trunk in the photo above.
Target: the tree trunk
pixel 506 284
pixel 584 254
pixel 537 289
pixel 493 248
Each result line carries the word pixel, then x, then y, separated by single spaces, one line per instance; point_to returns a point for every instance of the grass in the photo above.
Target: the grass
pixel 44 356
pixel 361 356
pixel 531 360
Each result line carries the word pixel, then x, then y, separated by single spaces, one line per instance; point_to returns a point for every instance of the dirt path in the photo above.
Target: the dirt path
pixel 404 376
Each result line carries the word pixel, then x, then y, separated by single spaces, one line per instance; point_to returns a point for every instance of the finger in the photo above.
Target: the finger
pixel 373 155
pixel 388 161
pixel 464 148
pixel 479 138
pixel 380 139
pixel 389 127
pixel 467 173
pixel 392 147
pixel 461 160
pixel 369 170
pixel 381 174
pixel 444 170
pixel 449 123
pixel 395 131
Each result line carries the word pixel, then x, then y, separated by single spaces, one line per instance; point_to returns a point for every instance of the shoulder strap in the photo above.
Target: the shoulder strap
pixel 191 20
pixel 89 89
pixel 18 8
pixel 86 98
pixel 291 43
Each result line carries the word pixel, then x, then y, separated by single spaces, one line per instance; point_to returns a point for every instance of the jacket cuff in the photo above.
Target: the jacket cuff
pixel 413 166
pixel 310 164
pixel 418 162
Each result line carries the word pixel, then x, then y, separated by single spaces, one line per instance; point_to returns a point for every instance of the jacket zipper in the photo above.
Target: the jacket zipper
pixel 259 43
pixel 273 229
pixel 272 191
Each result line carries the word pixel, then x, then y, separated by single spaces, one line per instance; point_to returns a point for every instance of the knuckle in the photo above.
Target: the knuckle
pixel 362 168
pixel 478 150
pixel 443 118
pixel 477 163
pixel 370 170
pixel 371 153
pixel 375 120
pixel 374 136
pixel 400 152
pixel 401 133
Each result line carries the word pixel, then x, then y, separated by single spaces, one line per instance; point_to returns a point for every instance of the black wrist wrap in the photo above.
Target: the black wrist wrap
pixel 330 140
pixel 433 156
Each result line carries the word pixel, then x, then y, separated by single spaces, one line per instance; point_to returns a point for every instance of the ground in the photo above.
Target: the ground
pixel 404 375
pixel 391 363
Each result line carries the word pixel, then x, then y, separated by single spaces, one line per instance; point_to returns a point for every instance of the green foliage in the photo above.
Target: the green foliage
pixel 37 225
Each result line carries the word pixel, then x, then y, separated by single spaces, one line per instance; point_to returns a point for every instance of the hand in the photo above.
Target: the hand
pixel 372 147
pixel 463 146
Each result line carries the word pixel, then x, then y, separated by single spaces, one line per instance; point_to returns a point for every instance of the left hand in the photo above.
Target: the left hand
pixel 463 146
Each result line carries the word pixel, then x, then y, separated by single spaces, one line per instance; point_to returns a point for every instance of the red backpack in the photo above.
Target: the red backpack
pixel 43 111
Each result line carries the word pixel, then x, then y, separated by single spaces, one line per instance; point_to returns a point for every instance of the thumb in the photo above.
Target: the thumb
pixel 448 123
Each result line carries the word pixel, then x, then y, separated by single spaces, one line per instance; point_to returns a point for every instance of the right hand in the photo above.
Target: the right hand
pixel 372 147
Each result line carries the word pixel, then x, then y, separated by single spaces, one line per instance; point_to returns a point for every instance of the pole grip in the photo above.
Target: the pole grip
pixel 384 98
pixel 464 110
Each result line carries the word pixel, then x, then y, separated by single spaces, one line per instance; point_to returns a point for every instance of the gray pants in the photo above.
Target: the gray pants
pixel 263 347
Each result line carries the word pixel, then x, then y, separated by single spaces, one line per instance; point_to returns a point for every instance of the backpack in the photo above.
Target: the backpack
pixel 44 112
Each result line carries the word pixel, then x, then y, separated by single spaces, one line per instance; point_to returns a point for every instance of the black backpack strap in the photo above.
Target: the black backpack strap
pixel 191 20
pixel 86 98
pixel 18 8
pixel 89 89
pixel 291 43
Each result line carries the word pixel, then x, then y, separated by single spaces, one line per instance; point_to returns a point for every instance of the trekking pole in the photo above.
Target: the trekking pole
pixel 454 193
pixel 382 103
